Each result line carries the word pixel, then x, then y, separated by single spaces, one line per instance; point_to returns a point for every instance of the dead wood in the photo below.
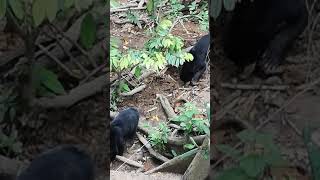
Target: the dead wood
pixel 134 91
pixel 166 106
pixel 178 164
pixel 129 161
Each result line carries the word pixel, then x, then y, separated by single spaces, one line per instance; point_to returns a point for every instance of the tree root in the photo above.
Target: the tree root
pixel 178 164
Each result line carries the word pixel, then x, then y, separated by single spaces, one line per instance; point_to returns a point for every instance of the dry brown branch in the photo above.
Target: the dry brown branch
pixel 178 164
pixel 128 161
pixel 166 106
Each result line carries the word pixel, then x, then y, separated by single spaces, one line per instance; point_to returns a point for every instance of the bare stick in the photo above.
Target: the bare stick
pixel 134 91
pixel 77 45
pixel 93 73
pixel 57 61
pixel 68 54
pixel 128 161
pixel 166 106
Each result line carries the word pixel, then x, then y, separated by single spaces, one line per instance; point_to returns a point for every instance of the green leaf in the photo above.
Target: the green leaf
pixel 124 87
pixel 51 9
pixel 137 72
pixel 189 146
pixel 233 174
pixel 229 4
pixel 50 81
pixel 228 150
pixel 3 8
pixel 88 31
pixel 114 3
pixel 247 135
pixel 253 165
pixel 215 8
pixel 150 6
pixel 17 8
pixel 68 3
pixel 38 11
pixel 44 92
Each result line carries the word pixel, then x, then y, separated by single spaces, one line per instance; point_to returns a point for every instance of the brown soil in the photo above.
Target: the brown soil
pixel 168 84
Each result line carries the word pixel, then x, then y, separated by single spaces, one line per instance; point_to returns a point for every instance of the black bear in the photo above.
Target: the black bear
pixel 193 70
pixel 123 127
pixel 64 163
pixel 261 31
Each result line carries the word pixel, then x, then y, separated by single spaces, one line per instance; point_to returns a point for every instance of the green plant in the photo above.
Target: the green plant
pixel 203 17
pixel 8 103
pixel 252 165
pixel 162 49
pixel 189 122
pixel 133 17
pixel 175 9
pixel 163 42
pixel 46 82
pixel 9 144
pixel 27 17
pixel 158 136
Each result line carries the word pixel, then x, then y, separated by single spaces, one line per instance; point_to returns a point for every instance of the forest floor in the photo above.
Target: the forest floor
pixel 239 102
pixel 168 84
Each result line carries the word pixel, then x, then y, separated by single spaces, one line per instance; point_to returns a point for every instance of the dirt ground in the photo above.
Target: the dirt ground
pixel 254 107
pixel 168 84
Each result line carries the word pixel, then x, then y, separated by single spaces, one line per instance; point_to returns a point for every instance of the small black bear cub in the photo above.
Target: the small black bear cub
pixel 262 31
pixel 64 163
pixel 123 127
pixel 193 70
